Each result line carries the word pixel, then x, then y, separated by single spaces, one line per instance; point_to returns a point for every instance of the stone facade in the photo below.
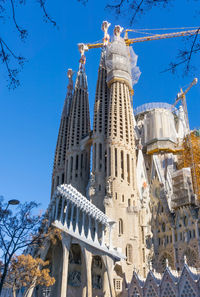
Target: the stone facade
pixel 135 184
pixel 129 223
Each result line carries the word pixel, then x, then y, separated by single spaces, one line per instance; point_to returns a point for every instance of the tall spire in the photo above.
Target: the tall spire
pixel 78 156
pixel 114 155
pixel 100 125
pixel 58 175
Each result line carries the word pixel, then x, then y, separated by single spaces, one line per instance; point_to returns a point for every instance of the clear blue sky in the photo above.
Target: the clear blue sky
pixel 30 115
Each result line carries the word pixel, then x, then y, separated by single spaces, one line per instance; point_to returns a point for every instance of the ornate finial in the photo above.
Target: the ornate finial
pixel 104 27
pixel 167 262
pixel 185 259
pixel 118 30
pixel 82 48
pixel 70 73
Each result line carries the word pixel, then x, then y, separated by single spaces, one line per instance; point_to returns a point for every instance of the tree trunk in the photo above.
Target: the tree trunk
pixel 3 277
pixel 14 291
pixel 29 291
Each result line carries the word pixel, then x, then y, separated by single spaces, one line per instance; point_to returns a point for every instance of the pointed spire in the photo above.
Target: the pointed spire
pixel 68 98
pixel 58 175
pixel 78 159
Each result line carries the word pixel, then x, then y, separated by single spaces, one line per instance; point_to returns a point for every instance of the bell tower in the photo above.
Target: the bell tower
pixel 77 167
pixel 58 175
pixel 114 153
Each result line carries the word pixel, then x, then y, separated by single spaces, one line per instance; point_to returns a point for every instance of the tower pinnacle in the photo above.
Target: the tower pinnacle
pixel 58 175
pixel 77 165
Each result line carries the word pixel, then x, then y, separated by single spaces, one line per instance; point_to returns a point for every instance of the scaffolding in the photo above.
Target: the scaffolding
pixel 190 157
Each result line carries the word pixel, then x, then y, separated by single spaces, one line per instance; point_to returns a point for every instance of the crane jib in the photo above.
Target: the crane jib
pixel 150 38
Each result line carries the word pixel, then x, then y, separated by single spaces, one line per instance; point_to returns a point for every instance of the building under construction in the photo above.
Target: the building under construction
pixel 135 215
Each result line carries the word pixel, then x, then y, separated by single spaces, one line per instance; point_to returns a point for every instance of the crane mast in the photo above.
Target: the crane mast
pixel 188 139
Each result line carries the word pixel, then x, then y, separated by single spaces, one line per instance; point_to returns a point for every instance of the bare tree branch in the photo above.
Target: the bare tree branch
pixel 46 15
pixel 192 48
pixel 23 32
pixel 136 11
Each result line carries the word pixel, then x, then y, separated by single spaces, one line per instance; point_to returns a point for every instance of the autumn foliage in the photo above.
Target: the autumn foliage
pixel 26 271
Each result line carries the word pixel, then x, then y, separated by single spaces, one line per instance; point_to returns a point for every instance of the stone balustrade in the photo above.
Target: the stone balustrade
pixel 76 215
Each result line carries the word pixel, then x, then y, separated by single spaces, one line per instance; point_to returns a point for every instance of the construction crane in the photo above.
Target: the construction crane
pixel 181 97
pixel 128 41
pixel 191 152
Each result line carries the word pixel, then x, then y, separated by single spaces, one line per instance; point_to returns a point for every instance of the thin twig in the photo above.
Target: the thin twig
pixel 136 11
pixel 42 4
pixel 23 33
pixel 191 50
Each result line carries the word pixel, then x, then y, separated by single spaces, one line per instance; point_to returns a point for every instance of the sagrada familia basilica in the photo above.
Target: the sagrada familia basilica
pixel 121 192
pixel 125 194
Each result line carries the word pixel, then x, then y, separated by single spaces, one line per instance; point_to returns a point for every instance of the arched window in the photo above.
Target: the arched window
pixel 121 227
pixel 129 253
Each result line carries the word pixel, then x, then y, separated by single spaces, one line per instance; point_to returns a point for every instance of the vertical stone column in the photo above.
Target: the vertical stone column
pixel 83 224
pixel 71 219
pixel 66 240
pixel 57 206
pixel 96 232
pixel 89 228
pixel 66 213
pixel 109 285
pixel 77 218
pixel 62 210
pixel 87 277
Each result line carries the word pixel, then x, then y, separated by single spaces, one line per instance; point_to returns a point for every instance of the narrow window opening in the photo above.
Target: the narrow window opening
pixel 129 253
pixel 76 162
pixel 63 178
pixel 143 255
pixel 105 161
pixel 95 150
pixel 71 167
pixel 122 164
pixel 143 235
pixel 100 151
pixel 128 169
pixel 115 162
pixel 109 161
pixel 66 170
pixel 121 227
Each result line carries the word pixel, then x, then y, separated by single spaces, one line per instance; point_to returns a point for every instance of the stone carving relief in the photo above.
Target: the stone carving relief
pixel 91 186
pixel 96 281
pixel 108 197
pixel 74 278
